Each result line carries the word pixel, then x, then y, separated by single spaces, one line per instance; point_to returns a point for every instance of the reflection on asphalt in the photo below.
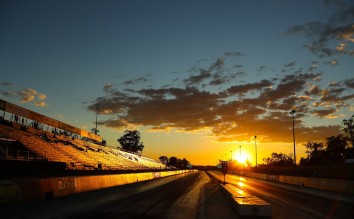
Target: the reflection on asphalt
pixel 294 203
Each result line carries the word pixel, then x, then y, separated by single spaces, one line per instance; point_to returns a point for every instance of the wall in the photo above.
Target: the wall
pixel 44 188
pixel 318 183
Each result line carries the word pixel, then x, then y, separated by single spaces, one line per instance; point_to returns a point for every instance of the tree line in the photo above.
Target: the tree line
pixel 175 162
pixel 130 142
pixel 336 149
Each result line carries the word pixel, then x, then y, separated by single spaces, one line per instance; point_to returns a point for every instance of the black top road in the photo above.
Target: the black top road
pixel 193 195
pixel 293 202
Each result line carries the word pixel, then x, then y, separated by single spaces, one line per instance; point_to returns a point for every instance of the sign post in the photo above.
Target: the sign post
pixel 224 168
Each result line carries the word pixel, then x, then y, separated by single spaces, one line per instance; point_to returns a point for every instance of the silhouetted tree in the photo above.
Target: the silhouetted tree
pixel 95 131
pixel 315 153
pixel 173 162
pixel 182 163
pixel 335 148
pixel 349 129
pixel 279 160
pixel 130 141
pixel 163 159
pixel 349 153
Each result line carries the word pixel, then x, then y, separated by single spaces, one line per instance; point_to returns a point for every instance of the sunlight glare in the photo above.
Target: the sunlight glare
pixel 241 158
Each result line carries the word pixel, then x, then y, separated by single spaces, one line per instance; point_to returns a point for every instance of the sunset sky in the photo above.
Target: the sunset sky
pixel 197 78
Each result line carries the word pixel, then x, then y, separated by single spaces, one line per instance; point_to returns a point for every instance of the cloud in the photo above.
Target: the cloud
pixel 332 62
pixel 289 65
pixel 189 109
pixel 27 95
pixel 232 54
pixel 135 81
pixel 312 29
pixel 238 66
pixel 289 85
pixel 264 68
pixel 338 29
pixel 42 96
pixel 215 73
pixel 236 110
pixel 314 90
pixel 336 94
pixel 221 78
pixel 40 103
pixel 341 47
pixel 196 79
pixel 6 83
pixel 242 89
pixel 324 112
pixel 349 83
pixel 343 33
pixel 59 115
pixel 107 87
pixel 344 13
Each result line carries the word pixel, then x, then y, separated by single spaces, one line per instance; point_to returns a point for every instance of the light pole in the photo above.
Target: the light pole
pixel 292 112
pixel 240 152
pixel 97 109
pixel 255 144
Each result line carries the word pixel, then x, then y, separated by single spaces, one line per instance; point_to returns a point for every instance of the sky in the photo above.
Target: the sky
pixel 197 78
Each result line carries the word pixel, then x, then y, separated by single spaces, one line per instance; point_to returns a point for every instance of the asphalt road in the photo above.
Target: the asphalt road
pixel 294 202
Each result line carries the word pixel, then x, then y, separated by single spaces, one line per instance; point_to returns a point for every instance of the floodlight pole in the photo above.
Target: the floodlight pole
pixel 97 109
pixel 255 144
pixel 293 115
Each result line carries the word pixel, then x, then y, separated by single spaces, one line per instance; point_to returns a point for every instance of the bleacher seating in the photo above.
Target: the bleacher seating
pixel 76 153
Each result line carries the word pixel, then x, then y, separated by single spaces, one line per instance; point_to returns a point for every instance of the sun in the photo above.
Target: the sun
pixel 241 158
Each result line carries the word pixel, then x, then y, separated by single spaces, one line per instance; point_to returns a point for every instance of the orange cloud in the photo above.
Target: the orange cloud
pixel 235 113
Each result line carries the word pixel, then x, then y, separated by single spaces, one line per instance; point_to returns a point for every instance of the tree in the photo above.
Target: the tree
pixel 130 141
pixel 183 164
pixel 314 152
pixel 349 153
pixel 173 162
pixel 95 131
pixel 335 148
pixel 349 129
pixel 279 160
pixel 163 159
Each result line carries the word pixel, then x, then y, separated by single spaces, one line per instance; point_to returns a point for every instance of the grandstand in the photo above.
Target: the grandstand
pixel 22 142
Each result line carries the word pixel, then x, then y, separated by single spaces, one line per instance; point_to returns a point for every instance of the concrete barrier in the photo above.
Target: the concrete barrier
pixel 345 186
pixel 44 188
pixel 247 205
